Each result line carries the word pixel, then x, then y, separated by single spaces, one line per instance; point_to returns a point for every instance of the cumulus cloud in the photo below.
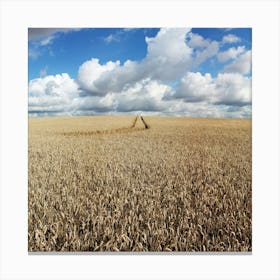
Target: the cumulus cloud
pixel 145 86
pixel 194 87
pixel 242 64
pixel 148 96
pixel 230 38
pixel 196 95
pixel 168 57
pixel 97 104
pixel 210 51
pixel 168 54
pixel 230 53
pixel 204 48
pixel 170 44
pixel 233 89
pixel 197 41
pixel 52 94
pixel 89 77
pixel 60 93
pixel 226 89
pixel 144 95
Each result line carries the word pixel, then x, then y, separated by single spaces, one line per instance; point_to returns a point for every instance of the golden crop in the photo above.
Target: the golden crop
pixel 109 184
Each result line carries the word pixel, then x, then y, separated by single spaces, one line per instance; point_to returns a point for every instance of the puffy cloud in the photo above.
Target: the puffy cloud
pixel 97 104
pixel 224 96
pixel 242 64
pixel 52 94
pixel 168 54
pixel 145 86
pixel 233 89
pixel 230 53
pixel 60 93
pixel 204 48
pixel 168 57
pixel 194 87
pixel 145 95
pixel 230 38
pixel 196 95
pixel 226 89
pixel 197 41
pixel 169 44
pixel 210 51
pixel 89 76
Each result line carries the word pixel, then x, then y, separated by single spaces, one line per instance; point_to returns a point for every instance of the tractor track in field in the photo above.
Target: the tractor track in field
pixel 131 128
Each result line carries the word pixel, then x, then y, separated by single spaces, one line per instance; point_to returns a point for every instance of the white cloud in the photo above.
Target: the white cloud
pixel 230 53
pixel 97 104
pixel 242 64
pixel 210 51
pixel 145 95
pixel 168 57
pixel 168 54
pixel 143 86
pixel 52 94
pixel 90 74
pixel 226 89
pixel 233 89
pixel 169 43
pixel 230 38
pixel 197 41
pixel 47 40
pixel 197 95
pixel 195 87
pixel 60 93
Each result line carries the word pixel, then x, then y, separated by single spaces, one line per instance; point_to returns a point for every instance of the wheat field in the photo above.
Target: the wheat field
pixel 121 184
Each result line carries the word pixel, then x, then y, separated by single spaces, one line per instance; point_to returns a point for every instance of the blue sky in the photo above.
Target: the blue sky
pixel 203 72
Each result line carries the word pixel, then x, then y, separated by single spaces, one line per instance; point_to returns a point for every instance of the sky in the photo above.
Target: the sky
pixel 193 72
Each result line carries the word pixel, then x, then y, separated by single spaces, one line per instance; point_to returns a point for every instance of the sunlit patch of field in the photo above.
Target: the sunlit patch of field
pixel 182 185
